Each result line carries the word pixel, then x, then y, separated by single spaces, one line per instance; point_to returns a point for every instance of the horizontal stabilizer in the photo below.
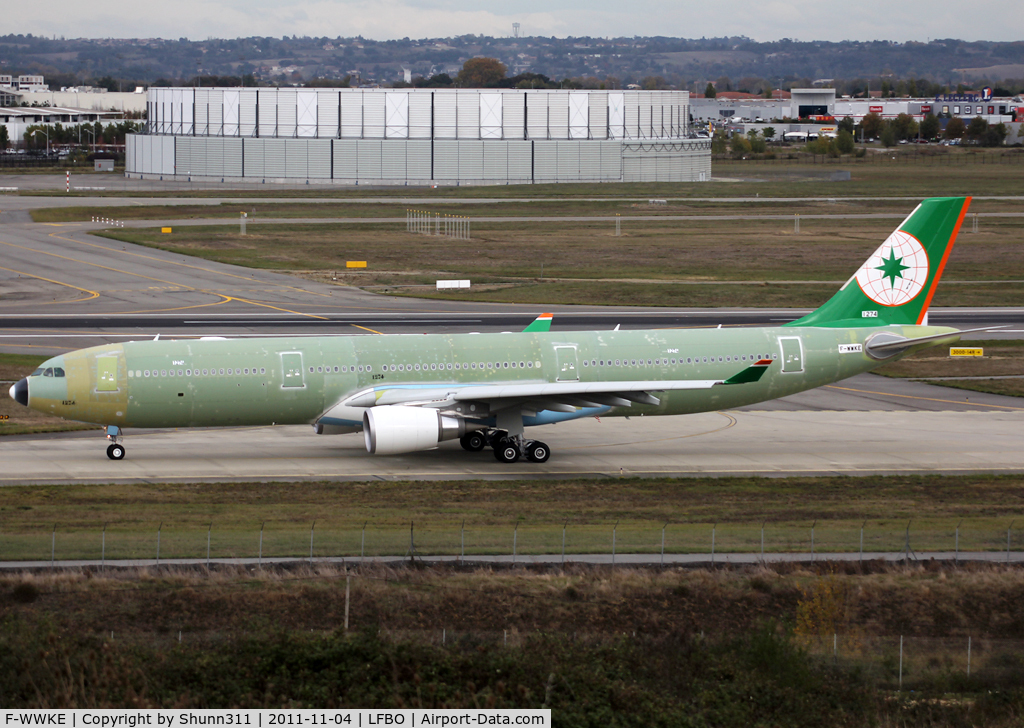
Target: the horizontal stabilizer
pixel 886 344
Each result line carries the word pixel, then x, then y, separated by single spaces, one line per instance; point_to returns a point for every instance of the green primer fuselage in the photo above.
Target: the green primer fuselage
pixel 204 383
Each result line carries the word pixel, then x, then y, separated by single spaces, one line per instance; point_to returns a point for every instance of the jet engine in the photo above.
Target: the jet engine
pixel 393 429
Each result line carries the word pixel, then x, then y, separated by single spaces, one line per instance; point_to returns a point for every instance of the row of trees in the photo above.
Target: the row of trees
pixel 35 136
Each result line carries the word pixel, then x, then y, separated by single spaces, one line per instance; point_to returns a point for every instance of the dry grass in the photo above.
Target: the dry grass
pixel 588 262
pixel 491 510
pixel 926 601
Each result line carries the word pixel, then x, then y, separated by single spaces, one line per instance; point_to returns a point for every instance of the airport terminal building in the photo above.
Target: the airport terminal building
pixel 418 136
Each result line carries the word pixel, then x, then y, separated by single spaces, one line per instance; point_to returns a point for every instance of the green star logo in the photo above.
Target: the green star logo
pixel 892 268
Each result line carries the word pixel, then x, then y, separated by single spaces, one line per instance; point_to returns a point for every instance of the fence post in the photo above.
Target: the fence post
pixel 614 529
pixel 862 541
pixel 901 662
pixel 348 586
pixel 618 224
pixel 762 541
pixel 208 530
pixel 311 541
pixel 515 537
pixel 956 552
pixel 713 543
pixel 1008 529
pixel 260 562
pixel 158 530
pixel 412 540
pixel 812 540
pixel 663 544
pixel 563 539
pixel 362 544
pixel 796 224
pixel 103 548
pixel 53 545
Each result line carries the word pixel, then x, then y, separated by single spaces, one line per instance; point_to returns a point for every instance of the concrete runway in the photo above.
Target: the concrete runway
pixel 801 435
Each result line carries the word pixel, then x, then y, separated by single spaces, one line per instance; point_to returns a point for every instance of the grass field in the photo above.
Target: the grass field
pixel 696 263
pixel 493 514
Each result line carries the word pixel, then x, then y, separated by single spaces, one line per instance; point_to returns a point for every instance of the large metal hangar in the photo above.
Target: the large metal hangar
pixel 418 136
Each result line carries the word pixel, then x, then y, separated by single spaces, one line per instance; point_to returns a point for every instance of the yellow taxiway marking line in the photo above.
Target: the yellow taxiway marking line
pixel 160 280
pixel 926 399
pixel 162 261
pixel 92 294
pixel 364 328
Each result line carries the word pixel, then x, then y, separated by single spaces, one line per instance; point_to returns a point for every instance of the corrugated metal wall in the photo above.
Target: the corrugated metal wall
pixel 419 160
pixel 409 113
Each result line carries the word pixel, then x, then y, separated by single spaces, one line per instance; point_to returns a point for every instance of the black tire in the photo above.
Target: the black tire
pixel 538 452
pixel 473 441
pixel 507 454
pixel 115 452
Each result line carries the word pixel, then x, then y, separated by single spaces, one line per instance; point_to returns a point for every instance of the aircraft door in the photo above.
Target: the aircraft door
pixel 291 370
pixel 792 354
pixel 566 365
pixel 106 374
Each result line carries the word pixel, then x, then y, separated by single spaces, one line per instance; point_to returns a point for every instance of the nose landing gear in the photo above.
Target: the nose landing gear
pixel 115 451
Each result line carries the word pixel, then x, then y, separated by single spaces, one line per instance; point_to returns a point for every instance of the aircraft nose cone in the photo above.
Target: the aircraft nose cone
pixel 19 392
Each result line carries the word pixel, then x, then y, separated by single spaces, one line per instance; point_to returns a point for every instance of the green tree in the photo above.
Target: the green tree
pixel 718 143
pixel 709 91
pixel 930 126
pixel 905 126
pixel 847 124
pixel 844 141
pixel 885 89
pixel 481 73
pixel 739 145
pixel 977 128
pixel 889 136
pixel 4 138
pixel 955 129
pixel 872 125
pixel 769 132
pixel 757 142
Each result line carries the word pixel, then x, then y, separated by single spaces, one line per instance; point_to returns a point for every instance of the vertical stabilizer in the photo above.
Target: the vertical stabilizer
pixel 896 284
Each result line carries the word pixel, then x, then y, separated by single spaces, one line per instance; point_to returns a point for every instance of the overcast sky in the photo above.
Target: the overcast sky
pixel 764 20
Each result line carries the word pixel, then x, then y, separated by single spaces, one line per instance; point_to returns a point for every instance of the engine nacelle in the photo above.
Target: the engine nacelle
pixel 395 429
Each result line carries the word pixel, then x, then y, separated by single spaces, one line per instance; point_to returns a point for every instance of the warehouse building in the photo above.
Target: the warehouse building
pixel 418 136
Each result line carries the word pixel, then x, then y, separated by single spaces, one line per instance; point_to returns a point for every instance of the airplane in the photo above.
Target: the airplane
pixel 410 392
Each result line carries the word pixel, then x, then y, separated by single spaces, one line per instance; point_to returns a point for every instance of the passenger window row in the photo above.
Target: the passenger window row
pixel 230 371
pixel 750 358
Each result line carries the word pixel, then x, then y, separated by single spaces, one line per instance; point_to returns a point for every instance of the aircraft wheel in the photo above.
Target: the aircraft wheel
pixel 115 452
pixel 473 441
pixel 507 453
pixel 538 452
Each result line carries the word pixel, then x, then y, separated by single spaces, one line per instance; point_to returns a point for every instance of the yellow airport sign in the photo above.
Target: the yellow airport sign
pixel 966 352
pixel 355 264
pixel 165 230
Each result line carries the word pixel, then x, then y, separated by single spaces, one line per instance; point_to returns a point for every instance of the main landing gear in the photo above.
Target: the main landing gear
pixel 115 450
pixel 507 449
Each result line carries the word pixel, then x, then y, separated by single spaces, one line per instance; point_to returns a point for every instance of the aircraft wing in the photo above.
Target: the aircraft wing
pixel 537 396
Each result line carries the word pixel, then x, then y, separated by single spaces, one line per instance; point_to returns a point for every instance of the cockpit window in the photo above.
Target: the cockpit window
pixel 48 372
pixel 38 372
pixel 58 372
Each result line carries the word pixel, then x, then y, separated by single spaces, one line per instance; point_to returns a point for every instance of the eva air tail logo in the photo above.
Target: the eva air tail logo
pixel 896 272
